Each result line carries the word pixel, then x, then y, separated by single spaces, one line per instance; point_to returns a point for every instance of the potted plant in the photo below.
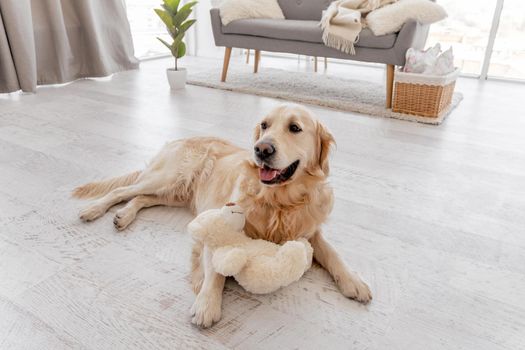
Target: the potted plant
pixel 176 22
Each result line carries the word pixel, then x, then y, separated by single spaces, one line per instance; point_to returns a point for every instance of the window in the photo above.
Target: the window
pixel 467 30
pixel 508 56
pixel 146 27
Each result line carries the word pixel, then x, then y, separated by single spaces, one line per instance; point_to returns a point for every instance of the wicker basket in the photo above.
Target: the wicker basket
pixel 424 95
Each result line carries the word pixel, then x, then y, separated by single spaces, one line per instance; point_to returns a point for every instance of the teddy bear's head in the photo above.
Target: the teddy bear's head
pixel 218 227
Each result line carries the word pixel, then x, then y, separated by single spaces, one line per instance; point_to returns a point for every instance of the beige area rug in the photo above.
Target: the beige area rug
pixel 313 88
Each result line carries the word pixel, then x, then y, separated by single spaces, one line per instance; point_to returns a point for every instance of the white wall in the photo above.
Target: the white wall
pixel 204 35
pixel 204 38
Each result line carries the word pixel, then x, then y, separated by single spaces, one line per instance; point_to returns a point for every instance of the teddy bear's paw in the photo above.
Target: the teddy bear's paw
pixel 354 288
pixel 205 311
pixel 229 262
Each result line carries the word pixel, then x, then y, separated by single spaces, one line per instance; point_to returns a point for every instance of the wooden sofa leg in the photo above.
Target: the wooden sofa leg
pixel 226 63
pixel 247 56
pixel 315 64
pixel 256 58
pixel 389 84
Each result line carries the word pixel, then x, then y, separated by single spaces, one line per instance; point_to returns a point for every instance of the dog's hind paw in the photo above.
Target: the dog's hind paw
pixel 91 213
pixel 122 219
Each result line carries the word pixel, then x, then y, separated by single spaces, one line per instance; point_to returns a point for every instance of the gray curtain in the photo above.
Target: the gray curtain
pixel 57 41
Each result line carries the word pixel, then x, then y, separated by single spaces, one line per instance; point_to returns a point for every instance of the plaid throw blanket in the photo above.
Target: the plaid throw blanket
pixel 343 20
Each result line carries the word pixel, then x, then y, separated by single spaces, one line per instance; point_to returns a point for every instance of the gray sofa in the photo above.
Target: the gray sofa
pixel 300 33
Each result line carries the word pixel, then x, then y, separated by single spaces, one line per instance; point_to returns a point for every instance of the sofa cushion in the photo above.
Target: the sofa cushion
pixel 304 9
pixel 308 31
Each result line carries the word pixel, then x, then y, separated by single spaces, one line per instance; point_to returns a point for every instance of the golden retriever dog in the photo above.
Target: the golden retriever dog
pixel 281 184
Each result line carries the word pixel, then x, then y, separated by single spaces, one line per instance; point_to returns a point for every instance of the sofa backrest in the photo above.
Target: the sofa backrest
pixel 304 9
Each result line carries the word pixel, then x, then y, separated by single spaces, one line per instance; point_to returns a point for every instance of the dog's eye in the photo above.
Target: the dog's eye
pixel 264 125
pixel 294 128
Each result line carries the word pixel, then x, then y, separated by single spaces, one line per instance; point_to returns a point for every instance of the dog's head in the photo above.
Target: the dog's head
pixel 290 143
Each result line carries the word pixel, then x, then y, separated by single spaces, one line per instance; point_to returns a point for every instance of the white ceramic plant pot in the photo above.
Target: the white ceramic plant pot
pixel 176 78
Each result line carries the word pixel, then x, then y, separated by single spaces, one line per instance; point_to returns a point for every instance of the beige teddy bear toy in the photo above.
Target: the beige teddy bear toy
pixel 258 265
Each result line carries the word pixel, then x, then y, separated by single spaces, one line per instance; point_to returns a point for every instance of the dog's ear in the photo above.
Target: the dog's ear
pixel 256 132
pixel 326 141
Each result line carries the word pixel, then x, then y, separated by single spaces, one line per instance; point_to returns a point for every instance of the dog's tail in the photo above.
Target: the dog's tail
pixel 100 188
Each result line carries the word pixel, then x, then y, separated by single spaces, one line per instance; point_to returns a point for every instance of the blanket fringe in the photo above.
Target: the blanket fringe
pixel 342 44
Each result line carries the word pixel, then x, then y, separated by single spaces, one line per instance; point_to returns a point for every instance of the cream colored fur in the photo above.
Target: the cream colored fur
pixel 204 173
pixel 259 266
pixel 390 19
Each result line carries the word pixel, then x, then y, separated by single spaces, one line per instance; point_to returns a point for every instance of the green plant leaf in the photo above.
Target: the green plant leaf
pixel 183 13
pixel 177 40
pixel 168 10
pixel 172 5
pixel 165 43
pixel 189 5
pixel 166 18
pixel 181 51
pixel 173 32
pixel 186 25
pixel 180 17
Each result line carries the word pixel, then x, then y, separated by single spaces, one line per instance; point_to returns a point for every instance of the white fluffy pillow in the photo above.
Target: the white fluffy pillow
pixel 390 19
pixel 230 10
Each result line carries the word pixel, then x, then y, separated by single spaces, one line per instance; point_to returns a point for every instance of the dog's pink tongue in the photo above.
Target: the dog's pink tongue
pixel 267 174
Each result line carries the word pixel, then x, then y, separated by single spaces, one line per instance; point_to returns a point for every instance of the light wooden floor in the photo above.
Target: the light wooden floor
pixel 433 217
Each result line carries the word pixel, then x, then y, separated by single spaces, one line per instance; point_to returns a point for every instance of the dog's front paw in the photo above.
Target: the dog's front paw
pixel 353 287
pixel 205 311
pixel 91 213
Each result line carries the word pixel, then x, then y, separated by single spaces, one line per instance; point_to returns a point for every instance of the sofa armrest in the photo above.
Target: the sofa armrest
pixel 216 26
pixel 412 34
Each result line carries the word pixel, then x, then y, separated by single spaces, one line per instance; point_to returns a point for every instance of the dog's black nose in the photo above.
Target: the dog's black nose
pixel 264 150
